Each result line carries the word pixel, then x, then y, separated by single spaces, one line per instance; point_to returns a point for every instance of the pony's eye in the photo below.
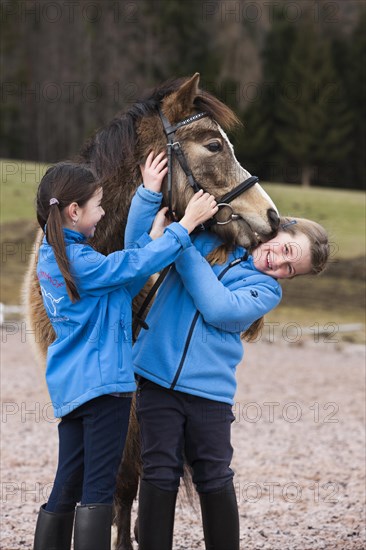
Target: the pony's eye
pixel 214 146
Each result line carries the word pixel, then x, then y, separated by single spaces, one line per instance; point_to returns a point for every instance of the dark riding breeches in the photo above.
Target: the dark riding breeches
pixel 175 425
pixel 91 442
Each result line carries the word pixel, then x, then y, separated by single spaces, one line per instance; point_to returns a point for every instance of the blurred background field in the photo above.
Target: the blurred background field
pixel 337 296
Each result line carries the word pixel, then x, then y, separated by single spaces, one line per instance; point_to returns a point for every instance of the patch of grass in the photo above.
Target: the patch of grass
pixel 19 182
pixel 336 297
pixel 287 313
pixel 295 324
pixel 17 243
pixel 341 212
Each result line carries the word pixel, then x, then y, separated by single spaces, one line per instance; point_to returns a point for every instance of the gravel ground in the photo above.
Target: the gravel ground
pixel 299 447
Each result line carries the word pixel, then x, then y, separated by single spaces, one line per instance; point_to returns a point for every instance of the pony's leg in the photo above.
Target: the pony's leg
pixel 127 483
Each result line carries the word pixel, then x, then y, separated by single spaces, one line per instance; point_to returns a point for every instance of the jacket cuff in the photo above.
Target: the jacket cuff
pixel 141 242
pixel 149 196
pixel 180 233
pixel 144 240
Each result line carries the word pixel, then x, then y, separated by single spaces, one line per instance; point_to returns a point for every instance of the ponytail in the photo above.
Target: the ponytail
pixel 62 184
pixel 55 238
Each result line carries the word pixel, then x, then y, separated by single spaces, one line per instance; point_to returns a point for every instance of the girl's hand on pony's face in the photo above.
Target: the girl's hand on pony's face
pixel 200 208
pixel 153 171
pixel 160 223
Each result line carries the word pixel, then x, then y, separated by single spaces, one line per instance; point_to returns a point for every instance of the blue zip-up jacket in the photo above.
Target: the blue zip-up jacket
pixel 193 342
pixel 91 355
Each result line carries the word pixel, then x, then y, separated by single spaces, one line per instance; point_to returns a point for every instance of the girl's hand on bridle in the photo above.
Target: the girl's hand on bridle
pixel 153 171
pixel 160 223
pixel 200 208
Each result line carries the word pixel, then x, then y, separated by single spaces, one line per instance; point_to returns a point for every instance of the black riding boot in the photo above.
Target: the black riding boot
pixel 93 524
pixel 220 519
pixel 53 531
pixel 155 517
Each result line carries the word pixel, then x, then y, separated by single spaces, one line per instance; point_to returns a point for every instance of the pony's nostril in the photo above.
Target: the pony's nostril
pixel 273 218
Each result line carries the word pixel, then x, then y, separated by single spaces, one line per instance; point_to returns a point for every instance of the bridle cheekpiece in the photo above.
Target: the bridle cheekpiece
pixel 174 147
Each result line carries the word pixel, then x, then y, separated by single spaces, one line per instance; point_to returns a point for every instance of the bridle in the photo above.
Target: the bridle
pixel 174 147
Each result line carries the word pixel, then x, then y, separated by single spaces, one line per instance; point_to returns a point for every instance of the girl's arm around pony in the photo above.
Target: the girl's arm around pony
pixel 94 272
pixel 69 208
pixel 300 248
pixel 234 302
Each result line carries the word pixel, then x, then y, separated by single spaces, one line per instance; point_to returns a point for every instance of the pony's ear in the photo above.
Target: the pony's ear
pixel 179 104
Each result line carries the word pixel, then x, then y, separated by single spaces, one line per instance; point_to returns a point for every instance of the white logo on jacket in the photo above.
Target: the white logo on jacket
pixel 50 302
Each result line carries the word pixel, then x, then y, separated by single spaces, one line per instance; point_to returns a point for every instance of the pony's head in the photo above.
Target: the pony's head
pixel 211 159
pixel 116 150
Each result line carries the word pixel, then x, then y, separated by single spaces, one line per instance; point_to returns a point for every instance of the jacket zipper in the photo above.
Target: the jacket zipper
pixel 194 322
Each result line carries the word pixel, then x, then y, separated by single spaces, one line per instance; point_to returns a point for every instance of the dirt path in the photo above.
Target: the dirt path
pixel 299 447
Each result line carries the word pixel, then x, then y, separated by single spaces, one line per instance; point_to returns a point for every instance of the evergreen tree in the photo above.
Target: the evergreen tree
pixel 354 75
pixel 184 41
pixel 13 71
pixel 257 143
pixel 316 122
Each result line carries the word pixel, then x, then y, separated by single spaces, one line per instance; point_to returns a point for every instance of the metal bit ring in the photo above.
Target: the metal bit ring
pixel 232 215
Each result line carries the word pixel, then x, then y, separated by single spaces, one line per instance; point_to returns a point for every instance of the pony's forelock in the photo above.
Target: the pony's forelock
pixel 222 114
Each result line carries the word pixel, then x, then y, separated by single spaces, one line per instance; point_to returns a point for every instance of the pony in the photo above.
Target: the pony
pixel 115 153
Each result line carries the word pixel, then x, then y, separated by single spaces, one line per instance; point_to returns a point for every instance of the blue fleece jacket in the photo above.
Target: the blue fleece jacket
pixel 193 342
pixel 91 355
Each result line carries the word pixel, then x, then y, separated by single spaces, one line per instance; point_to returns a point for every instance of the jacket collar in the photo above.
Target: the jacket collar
pixel 70 236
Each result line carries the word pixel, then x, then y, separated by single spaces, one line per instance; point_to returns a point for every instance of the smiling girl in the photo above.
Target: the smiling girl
pixel 186 363
pixel 89 372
